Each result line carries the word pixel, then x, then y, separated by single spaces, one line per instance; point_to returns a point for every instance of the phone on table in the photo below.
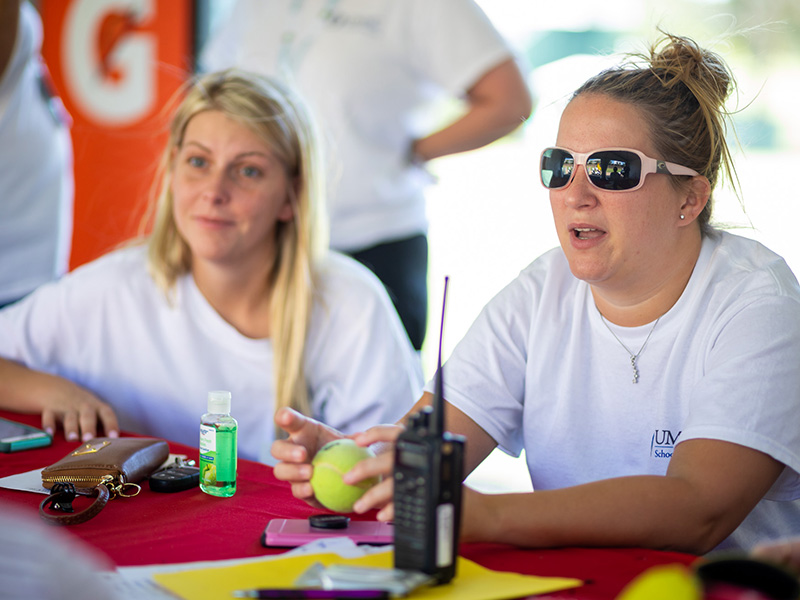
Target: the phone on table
pixel 18 436
pixel 296 532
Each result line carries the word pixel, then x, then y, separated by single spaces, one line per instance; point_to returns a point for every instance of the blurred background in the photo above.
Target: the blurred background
pixel 489 215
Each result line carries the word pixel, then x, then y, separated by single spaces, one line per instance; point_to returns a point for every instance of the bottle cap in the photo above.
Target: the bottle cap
pixel 219 402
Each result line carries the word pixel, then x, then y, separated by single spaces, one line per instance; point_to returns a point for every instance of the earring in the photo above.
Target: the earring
pixel 683 217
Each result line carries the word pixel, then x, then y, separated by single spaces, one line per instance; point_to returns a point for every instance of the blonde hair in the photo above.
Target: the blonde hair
pixel 273 113
pixel 681 90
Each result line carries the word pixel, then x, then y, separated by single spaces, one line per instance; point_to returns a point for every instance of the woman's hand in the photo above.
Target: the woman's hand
pixel 306 437
pixel 59 400
pixel 79 411
pixel 784 552
pixel 381 439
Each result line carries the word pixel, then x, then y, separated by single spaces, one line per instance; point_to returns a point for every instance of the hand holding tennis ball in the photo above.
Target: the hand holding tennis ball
pixel 332 461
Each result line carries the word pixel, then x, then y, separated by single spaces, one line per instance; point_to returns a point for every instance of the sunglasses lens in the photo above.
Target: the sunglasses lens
pixel 614 169
pixel 556 168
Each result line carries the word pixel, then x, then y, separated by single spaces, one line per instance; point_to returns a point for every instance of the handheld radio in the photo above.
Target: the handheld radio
pixel 428 473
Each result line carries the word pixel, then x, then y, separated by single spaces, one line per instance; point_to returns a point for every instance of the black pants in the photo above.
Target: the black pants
pixel 402 266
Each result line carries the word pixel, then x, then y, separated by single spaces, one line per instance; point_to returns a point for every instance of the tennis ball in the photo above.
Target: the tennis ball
pixel 332 461
pixel 663 582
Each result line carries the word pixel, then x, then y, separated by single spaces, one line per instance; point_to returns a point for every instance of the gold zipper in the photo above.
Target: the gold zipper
pixel 78 479
pixel 115 488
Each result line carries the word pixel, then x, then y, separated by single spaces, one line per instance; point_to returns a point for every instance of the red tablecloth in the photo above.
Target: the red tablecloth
pixel 158 528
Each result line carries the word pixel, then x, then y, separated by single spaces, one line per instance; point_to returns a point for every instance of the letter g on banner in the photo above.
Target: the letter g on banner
pixel 109 61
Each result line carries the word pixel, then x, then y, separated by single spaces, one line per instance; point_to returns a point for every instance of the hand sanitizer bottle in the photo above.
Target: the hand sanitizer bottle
pixel 218 454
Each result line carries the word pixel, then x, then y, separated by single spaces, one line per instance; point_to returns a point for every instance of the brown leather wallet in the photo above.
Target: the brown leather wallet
pixel 103 468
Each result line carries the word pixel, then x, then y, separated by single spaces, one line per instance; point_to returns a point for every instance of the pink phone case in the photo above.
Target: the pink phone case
pixel 296 532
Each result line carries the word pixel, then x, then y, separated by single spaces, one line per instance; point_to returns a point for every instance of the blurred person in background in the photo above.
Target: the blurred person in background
pixel 36 178
pixel 368 68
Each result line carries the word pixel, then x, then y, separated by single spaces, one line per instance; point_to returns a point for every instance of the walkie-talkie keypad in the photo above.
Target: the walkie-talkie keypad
pixel 410 514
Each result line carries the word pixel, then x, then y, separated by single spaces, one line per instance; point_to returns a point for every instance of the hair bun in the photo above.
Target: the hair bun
pixel 680 59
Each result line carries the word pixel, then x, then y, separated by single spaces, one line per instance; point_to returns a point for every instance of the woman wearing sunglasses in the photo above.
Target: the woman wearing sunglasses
pixel 650 365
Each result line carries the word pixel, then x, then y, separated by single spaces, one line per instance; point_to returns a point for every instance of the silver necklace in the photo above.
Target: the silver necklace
pixel 634 357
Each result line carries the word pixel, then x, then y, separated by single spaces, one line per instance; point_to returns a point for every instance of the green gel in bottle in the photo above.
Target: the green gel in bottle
pixel 218 431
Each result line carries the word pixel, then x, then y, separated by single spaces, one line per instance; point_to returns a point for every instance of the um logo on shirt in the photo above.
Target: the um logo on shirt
pixel 662 444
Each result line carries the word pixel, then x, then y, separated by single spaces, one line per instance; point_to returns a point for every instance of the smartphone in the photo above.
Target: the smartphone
pixel 296 532
pixel 18 436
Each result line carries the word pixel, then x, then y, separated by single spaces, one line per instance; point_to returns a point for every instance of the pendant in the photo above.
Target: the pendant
pixel 635 370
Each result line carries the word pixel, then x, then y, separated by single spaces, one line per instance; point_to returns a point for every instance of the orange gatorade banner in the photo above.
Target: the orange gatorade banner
pixel 115 64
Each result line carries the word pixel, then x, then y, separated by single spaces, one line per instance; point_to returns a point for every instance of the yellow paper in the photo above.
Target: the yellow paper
pixel 472 581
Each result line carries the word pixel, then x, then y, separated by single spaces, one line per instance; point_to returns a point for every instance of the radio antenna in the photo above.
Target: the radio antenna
pixel 437 424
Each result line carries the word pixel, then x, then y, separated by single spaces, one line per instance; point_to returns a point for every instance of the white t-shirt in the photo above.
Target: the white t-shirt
pixel 366 68
pixel 36 180
pixel 540 370
pixel 108 327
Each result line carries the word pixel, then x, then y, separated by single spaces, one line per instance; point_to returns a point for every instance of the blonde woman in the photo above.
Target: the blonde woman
pixel 233 289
